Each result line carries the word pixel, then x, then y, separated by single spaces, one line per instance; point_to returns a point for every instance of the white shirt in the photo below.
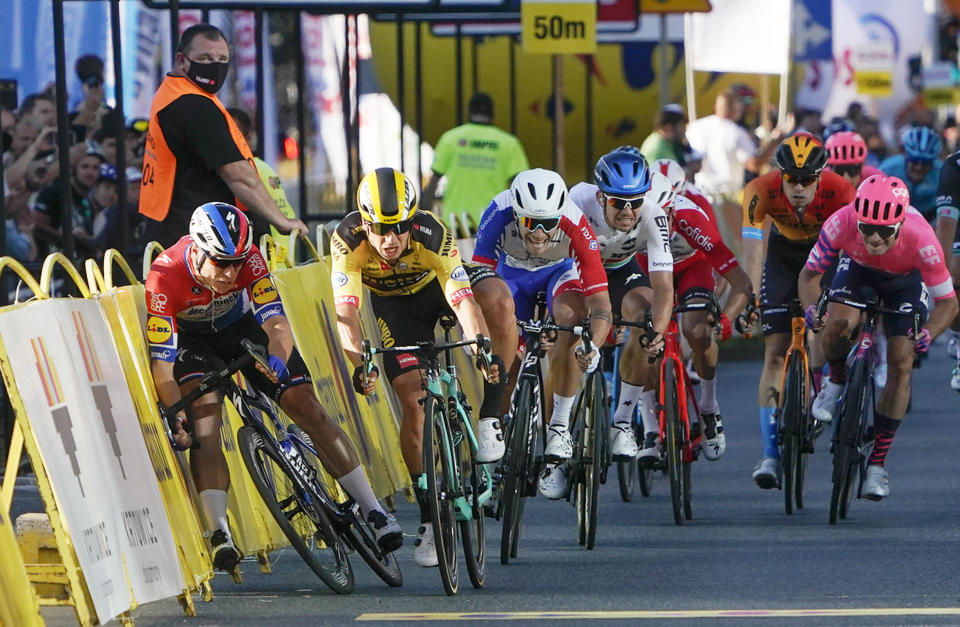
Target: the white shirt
pixel 726 146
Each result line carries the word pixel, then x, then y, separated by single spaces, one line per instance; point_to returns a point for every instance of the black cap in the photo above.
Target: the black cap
pixel 481 105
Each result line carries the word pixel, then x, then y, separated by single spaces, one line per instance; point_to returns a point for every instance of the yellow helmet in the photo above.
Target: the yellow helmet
pixel 386 196
pixel 801 154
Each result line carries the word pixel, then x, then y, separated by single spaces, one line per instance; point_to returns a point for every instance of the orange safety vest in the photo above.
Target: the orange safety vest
pixel 159 163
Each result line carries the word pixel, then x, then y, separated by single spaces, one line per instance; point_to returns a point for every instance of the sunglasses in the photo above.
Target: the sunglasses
pixel 803 180
pixel 382 229
pixel 921 163
pixel 884 231
pixel 227 263
pixel 624 203
pixel 848 170
pixel 532 224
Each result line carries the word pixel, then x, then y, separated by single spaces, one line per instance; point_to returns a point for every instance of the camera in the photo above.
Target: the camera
pixel 90 70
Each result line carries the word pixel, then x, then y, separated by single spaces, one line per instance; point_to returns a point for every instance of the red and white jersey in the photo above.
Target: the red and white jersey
pixel 178 300
pixel 917 248
pixel 693 192
pixel 499 241
pixel 695 235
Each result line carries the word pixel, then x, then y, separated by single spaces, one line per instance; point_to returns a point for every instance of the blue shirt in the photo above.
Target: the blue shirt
pixel 923 195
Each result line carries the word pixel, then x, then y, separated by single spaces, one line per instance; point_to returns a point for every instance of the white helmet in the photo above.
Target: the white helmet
pixel 539 194
pixel 661 191
pixel 673 171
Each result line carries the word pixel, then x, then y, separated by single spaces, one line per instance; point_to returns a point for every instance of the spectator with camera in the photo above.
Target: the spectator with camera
pixel 48 211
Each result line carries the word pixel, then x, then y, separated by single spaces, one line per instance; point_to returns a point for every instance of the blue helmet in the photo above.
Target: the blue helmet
pixel 922 143
pixel 622 172
pixel 838 125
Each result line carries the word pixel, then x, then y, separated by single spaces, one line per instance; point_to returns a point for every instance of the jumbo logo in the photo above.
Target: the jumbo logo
pixel 263 291
pixel 159 329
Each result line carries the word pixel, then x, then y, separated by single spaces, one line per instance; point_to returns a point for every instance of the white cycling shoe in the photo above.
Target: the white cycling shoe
pixel 713 447
pixel 623 442
pixel 559 443
pixel 490 446
pixel 826 402
pixel 767 473
pixel 876 485
pixel 425 553
pixel 553 482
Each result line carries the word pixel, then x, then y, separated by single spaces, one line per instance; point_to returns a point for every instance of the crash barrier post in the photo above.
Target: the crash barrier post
pixel 18 602
pixel 104 515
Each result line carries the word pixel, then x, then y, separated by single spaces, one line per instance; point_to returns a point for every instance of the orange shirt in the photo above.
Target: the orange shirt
pixel 764 197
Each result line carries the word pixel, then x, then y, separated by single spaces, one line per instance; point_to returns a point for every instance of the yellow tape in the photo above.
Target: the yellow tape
pixel 18 604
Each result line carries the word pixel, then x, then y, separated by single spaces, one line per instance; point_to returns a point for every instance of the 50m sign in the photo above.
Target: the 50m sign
pixel 559 27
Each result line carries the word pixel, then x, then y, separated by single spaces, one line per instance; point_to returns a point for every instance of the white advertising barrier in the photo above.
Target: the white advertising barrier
pixel 68 374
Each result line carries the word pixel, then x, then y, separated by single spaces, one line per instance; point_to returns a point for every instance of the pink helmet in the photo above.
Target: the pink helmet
pixel 882 200
pixel 846 148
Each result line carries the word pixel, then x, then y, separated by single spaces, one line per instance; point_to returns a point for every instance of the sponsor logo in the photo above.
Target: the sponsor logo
pixel 635 275
pixel 160 330
pixel 163 258
pixel 460 294
pixel 752 208
pixel 263 291
pixel 662 264
pixel 663 226
pixel 163 354
pixel 483 144
pixel 459 274
pixel 423 229
pixel 594 245
pixel 407 360
pixel 386 338
pixel 945 199
pixel 257 265
pixel 339 247
pixel 158 302
pixel 900 191
pixel 269 312
pixel 929 254
pixel 347 300
pixel 196 289
pixel 696 235
pixel 339 279
pixel 585 230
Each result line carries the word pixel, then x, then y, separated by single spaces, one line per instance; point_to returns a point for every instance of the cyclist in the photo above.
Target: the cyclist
pixel 919 167
pixel 538 240
pixel 411 263
pixel 625 222
pixel 846 154
pixel 682 185
pixel 948 211
pixel 697 250
pixel 888 248
pixel 797 198
pixel 204 294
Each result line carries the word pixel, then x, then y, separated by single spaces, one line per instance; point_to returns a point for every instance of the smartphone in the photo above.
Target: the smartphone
pixel 8 93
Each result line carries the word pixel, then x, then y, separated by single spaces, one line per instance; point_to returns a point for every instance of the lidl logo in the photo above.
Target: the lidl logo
pixel 263 291
pixel 159 330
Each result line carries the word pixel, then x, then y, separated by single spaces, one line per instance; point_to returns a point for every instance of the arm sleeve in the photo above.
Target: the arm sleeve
pixel 264 297
pixel 490 232
pixel 753 212
pixel 934 270
pixel 657 232
pixel 346 273
pixel 705 236
pixel 450 273
pixel 196 122
pixel 586 252
pixel 161 315
pixel 948 189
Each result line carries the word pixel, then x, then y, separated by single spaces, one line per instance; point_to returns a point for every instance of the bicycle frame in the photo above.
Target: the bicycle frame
pixel 798 342
pixel 672 354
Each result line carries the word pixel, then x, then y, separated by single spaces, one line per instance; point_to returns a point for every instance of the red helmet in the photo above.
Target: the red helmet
pixel 882 200
pixel 846 148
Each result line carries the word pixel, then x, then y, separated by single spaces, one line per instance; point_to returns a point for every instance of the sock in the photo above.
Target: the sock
pixel 214 506
pixel 421 495
pixel 838 370
pixel 768 431
pixel 629 397
pixel 356 485
pixel 817 380
pixel 651 423
pixel 708 396
pixel 884 428
pixel 493 397
pixel 561 410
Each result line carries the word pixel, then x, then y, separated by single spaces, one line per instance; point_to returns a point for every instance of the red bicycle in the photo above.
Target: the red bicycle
pixel 677 411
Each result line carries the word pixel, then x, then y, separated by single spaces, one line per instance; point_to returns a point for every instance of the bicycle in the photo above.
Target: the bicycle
pixel 457 485
pixel 852 440
pixel 797 429
pixel 627 470
pixel 284 466
pixel 676 410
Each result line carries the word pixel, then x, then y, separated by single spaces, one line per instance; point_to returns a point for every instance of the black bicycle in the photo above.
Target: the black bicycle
pixel 852 440
pixel 284 466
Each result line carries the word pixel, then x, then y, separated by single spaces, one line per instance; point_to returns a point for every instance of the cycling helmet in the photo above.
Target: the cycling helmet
pixel 538 194
pixel 846 148
pixel 836 126
pixel 622 172
pixel 673 171
pixel 661 192
pixel 882 200
pixel 801 154
pixel 221 231
pixel 386 196
pixel 921 143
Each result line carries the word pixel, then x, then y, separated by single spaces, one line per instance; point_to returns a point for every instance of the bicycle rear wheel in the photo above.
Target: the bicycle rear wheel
pixel 471 531
pixel 792 432
pixel 442 471
pixel 645 476
pixel 674 440
pixel 352 529
pixel 514 474
pixel 298 513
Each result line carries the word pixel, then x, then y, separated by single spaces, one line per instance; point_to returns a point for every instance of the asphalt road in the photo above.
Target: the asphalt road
pixel 885 564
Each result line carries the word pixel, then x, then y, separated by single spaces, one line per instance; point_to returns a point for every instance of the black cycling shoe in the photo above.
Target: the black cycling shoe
pixel 386 530
pixel 225 554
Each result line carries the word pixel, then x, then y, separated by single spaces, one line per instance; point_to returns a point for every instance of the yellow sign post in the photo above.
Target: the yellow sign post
pixel 562 27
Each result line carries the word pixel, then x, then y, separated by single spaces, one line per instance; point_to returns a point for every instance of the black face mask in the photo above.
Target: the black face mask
pixel 6 142
pixel 208 76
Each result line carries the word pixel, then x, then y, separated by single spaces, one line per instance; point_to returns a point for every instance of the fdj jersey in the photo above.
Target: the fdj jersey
pixel 178 300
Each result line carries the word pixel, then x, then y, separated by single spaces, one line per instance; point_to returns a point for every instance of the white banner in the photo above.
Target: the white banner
pixel 68 374
pixel 320 36
pixel 742 36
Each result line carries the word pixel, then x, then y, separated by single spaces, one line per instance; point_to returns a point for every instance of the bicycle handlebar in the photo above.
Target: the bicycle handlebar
pixel 214 379
pixel 872 306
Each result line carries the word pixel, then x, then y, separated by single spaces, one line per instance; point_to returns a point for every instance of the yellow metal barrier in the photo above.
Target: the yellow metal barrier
pixel 18 603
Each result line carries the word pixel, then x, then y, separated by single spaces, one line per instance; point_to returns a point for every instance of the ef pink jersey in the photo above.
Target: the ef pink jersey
pixel 917 248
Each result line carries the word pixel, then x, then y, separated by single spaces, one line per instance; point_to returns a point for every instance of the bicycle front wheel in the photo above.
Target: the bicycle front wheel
pixel 298 513
pixel 599 439
pixel 674 440
pixel 625 475
pixel 514 474
pixel 440 467
pixel 645 476
pixel 474 538
pixel 845 446
pixel 792 432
